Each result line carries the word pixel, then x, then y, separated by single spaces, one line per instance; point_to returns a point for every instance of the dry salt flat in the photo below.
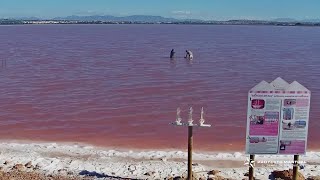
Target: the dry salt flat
pixel 103 163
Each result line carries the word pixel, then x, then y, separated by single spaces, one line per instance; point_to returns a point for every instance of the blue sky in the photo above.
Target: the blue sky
pixel 200 9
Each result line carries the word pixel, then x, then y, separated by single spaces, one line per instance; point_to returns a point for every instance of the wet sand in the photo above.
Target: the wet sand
pixel 85 161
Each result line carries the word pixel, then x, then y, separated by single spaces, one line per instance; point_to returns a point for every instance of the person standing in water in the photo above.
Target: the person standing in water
pixel 172 53
pixel 189 55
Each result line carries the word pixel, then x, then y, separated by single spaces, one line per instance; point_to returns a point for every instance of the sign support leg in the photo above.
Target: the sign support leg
pixel 295 167
pixel 190 141
pixel 251 168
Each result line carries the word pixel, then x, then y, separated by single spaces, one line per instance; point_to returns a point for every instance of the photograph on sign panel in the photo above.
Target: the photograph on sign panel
pixel 292 147
pixel 253 139
pixel 271 116
pixel 289 102
pixel 287 125
pixel 288 113
pixel 259 120
pixel 284 144
pixel 257 139
pixel 300 124
pixel 257 104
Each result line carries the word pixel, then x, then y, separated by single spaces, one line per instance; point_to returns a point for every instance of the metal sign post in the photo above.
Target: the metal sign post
pixel 190 126
pixel 251 167
pixel 295 167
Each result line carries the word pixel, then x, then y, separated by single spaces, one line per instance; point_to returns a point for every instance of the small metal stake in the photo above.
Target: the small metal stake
pixel 178 120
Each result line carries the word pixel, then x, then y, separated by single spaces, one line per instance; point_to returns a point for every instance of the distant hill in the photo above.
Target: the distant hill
pixel 284 20
pixel 294 20
pixel 312 20
pixel 134 18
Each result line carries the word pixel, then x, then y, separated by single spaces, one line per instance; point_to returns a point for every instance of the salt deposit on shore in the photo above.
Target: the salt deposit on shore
pixel 52 158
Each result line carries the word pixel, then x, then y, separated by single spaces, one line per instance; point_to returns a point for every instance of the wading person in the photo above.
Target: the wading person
pixel 172 53
pixel 189 55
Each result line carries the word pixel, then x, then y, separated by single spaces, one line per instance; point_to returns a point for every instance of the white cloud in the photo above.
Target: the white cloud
pixel 176 12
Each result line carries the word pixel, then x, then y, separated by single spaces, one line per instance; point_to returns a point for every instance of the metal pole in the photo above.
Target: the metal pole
pixel 190 135
pixel 295 167
pixel 190 139
pixel 251 168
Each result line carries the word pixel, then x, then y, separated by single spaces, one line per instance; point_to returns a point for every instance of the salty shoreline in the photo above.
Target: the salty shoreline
pixel 86 160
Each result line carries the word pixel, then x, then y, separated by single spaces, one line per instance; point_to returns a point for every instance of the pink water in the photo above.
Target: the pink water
pixel 114 85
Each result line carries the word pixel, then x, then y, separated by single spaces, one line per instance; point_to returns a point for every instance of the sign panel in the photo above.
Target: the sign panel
pixel 277 118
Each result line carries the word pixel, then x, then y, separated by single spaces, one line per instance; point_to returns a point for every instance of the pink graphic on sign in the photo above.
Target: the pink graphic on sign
pixel 266 125
pixel 292 147
pixel 302 102
pixel 257 103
